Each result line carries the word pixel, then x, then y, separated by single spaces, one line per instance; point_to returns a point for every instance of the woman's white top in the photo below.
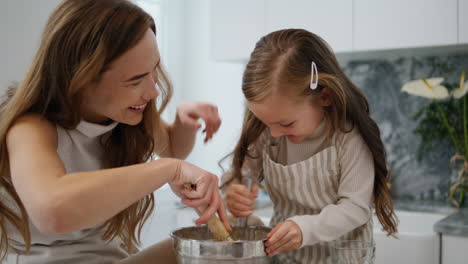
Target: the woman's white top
pixel 80 150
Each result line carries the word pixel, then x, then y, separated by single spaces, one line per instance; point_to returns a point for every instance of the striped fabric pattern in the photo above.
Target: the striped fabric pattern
pixel 304 188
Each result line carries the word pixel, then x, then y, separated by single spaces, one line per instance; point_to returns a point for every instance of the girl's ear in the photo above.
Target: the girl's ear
pixel 325 97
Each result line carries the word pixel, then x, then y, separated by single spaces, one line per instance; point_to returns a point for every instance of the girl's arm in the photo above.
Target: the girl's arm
pixel 58 202
pixel 183 131
pixel 239 200
pixel 353 207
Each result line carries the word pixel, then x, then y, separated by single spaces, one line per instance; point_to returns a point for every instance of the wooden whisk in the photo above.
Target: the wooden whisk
pixel 215 225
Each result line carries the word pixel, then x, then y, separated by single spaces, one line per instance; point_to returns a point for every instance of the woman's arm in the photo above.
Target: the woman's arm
pixel 58 202
pixel 183 131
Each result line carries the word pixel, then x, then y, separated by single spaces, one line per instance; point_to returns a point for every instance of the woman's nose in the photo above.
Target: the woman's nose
pixel 151 91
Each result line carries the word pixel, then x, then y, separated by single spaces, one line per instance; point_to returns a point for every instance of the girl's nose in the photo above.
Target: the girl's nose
pixel 275 132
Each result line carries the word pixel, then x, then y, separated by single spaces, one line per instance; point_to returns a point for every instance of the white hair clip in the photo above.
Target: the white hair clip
pixel 313 76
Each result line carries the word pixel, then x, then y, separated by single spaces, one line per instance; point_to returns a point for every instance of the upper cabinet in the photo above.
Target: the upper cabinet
pixel 235 28
pixel 330 19
pixel 403 23
pixel 463 21
pixel 347 25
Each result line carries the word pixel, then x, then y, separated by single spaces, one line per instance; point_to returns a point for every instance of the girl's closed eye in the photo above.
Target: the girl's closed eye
pixel 287 125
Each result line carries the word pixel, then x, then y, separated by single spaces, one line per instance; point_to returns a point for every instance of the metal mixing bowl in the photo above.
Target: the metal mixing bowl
pixel 195 245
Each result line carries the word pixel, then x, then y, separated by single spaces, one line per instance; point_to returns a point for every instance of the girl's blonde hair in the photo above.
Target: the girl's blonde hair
pixel 281 60
pixel 81 39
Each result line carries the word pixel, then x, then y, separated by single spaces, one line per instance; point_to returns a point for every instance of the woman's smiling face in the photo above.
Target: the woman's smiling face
pixel 126 88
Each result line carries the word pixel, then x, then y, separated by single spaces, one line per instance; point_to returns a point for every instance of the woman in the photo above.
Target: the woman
pixel 76 135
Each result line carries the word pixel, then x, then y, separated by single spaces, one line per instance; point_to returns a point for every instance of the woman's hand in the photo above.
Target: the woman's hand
pixel 240 201
pixel 286 236
pixel 188 114
pixel 205 192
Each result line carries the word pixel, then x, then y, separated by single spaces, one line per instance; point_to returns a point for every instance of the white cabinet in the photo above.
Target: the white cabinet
pixel 463 21
pixel 235 27
pixel 393 24
pixel 357 25
pixel 330 19
pixel 454 249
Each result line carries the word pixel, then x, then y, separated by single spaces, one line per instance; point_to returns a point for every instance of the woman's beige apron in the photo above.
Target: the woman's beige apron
pixel 304 188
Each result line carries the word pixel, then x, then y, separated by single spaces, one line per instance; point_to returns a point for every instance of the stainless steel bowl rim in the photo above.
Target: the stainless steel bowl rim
pixel 211 241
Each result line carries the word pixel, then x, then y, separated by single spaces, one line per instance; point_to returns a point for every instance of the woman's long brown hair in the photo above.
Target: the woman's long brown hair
pixel 282 59
pixel 81 39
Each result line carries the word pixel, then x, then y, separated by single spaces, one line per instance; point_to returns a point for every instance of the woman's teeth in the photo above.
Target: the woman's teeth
pixel 138 106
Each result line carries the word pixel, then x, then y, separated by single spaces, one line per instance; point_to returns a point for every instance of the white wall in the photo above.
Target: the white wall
pixel 212 81
pixel 21 24
pixel 174 48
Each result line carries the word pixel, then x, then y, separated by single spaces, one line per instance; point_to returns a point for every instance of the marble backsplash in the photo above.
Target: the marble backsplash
pixel 381 80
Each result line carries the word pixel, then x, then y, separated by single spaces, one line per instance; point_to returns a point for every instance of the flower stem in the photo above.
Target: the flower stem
pixel 449 128
pixel 462 197
pixel 465 127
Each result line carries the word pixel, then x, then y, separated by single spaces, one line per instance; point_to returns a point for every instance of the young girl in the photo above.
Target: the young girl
pixel 307 132
pixel 75 136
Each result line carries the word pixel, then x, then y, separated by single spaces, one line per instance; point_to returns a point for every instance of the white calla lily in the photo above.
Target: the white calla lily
pixel 463 89
pixel 432 88
pixel 428 88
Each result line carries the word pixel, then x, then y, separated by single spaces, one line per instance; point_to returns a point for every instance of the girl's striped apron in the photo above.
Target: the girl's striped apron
pixel 304 188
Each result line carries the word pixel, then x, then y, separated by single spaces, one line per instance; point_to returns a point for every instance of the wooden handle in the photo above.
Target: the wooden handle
pixel 215 225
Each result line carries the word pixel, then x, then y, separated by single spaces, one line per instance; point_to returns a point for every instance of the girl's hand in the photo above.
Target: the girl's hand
pixel 240 201
pixel 188 114
pixel 205 192
pixel 286 236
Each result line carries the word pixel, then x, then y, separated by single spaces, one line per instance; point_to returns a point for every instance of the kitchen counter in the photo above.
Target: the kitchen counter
pixel 455 224
pixel 441 207
pixel 167 217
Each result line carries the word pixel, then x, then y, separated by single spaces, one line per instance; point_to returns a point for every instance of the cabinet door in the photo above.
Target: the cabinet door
pixel 235 28
pixel 330 19
pixel 392 24
pixel 463 21
pixel 454 249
